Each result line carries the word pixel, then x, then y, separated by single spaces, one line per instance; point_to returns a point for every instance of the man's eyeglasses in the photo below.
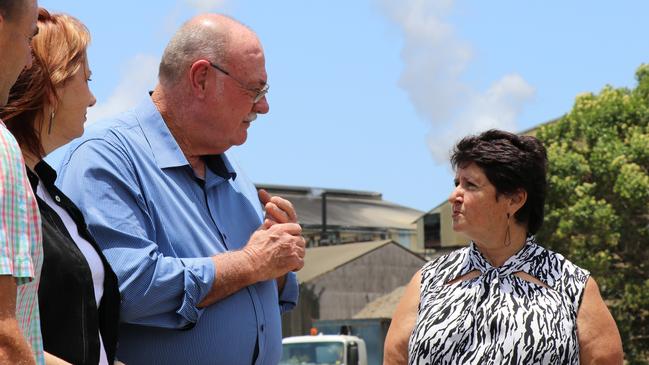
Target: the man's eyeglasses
pixel 259 93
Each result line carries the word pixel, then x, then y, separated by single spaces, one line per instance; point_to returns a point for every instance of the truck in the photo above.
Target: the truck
pixel 370 331
pixel 323 350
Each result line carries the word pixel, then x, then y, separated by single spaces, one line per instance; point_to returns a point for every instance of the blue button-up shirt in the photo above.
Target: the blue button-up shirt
pixel 158 224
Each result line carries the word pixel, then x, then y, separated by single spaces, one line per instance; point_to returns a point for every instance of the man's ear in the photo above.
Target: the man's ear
pixel 517 199
pixel 198 78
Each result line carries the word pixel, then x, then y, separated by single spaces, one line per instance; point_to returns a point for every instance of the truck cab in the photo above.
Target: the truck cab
pixel 323 350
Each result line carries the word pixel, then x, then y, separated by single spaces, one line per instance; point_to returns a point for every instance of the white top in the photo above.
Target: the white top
pixel 93 259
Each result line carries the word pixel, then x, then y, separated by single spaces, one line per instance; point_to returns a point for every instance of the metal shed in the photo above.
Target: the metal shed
pixel 338 281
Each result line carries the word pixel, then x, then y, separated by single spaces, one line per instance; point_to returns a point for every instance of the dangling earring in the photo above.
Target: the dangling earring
pixel 49 128
pixel 508 235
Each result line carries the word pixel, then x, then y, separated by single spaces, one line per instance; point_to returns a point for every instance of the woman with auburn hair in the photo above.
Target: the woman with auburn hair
pixel 504 299
pixel 78 293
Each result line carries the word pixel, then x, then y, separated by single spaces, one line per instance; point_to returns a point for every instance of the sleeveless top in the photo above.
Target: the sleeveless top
pixel 498 317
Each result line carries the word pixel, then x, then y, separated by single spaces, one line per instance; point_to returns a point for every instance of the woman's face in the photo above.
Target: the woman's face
pixel 476 211
pixel 74 99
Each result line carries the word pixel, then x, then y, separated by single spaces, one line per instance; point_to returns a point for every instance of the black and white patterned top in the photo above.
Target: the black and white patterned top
pixel 498 317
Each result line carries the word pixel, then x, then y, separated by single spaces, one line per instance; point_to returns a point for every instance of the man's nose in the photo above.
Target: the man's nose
pixel 261 107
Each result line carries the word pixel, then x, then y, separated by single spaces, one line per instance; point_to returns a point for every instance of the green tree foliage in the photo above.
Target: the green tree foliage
pixel 597 210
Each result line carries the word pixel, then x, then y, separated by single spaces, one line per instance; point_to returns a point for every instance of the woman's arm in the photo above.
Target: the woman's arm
pixel 403 322
pixel 599 339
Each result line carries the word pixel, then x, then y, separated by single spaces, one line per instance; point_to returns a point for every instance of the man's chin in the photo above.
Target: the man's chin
pixel 242 139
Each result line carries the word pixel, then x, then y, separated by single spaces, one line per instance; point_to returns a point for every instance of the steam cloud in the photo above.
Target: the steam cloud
pixel 434 61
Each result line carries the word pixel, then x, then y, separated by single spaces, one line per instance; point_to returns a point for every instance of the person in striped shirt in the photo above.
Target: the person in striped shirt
pixel 20 236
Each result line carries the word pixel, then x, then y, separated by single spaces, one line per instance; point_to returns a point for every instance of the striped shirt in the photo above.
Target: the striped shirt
pixel 21 250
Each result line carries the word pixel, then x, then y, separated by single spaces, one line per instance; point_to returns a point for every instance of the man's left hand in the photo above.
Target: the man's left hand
pixel 278 209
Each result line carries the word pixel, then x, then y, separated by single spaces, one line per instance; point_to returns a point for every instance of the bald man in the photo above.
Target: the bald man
pixel 204 269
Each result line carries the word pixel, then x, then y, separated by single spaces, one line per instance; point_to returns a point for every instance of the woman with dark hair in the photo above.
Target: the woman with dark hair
pixel 78 294
pixel 504 299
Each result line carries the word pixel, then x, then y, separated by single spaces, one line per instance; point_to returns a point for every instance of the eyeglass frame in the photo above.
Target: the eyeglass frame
pixel 259 93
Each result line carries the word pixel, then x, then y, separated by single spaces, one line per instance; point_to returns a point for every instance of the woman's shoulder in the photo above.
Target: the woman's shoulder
pixel 448 264
pixel 551 262
pixel 448 257
pixel 559 273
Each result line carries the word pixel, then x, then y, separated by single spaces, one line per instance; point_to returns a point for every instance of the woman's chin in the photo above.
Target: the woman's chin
pixel 78 133
pixel 458 227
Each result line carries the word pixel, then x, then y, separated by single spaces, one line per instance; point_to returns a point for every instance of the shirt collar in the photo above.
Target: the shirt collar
pixel 166 151
pixel 512 264
pixel 220 165
pixel 33 180
pixel 42 171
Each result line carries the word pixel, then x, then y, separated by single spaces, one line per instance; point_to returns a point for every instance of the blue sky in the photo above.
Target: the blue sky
pixel 371 94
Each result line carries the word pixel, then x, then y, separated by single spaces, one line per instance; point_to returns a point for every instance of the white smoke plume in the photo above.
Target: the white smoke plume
pixel 435 60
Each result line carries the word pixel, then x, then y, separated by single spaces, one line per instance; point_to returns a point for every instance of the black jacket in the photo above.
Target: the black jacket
pixel 70 320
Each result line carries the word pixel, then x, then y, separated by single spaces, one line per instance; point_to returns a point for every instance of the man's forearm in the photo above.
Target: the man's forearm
pixel 13 347
pixel 269 254
pixel 234 271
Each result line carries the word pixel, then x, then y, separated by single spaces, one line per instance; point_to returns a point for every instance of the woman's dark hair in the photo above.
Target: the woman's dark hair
pixel 510 162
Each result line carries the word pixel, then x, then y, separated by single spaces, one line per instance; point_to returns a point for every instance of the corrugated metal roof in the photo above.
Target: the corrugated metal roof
pixel 345 208
pixel 353 212
pixel 321 260
pixel 317 191
pixel 383 307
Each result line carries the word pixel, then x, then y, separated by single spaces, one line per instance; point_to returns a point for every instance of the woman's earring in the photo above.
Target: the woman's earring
pixel 508 235
pixel 49 128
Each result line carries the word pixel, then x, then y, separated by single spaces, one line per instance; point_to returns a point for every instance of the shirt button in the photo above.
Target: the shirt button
pixel 57 198
pixel 262 328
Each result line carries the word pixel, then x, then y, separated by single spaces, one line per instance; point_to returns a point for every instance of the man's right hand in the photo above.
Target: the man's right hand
pixel 270 253
pixel 275 251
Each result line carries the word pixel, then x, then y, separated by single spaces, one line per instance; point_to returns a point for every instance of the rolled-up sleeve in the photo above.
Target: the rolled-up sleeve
pixel 289 295
pixel 157 290
pixel 17 226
